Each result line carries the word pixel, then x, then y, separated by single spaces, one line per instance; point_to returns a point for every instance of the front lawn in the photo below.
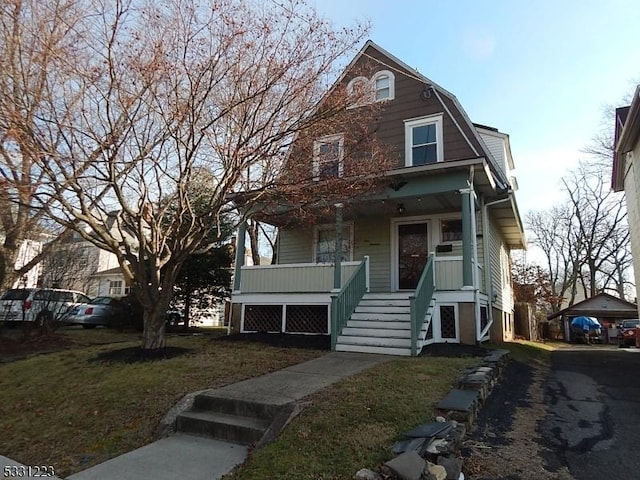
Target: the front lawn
pixel 71 411
pixel 353 424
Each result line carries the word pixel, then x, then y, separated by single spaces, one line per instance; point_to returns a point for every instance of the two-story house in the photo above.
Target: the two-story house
pixel 626 170
pixel 425 259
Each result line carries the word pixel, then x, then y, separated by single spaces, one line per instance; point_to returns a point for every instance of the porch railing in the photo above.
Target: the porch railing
pixel 420 302
pixel 344 302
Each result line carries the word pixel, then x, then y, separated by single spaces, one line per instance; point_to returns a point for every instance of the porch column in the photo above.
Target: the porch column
pixel 337 271
pixel 467 241
pixel 239 261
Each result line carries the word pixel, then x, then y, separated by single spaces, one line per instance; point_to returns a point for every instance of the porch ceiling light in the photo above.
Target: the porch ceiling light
pixel 401 208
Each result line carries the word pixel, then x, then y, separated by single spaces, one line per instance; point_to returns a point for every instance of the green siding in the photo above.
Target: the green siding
pixel 295 245
pixel 373 237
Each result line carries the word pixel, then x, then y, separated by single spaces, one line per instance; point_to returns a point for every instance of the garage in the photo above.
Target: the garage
pixel 609 311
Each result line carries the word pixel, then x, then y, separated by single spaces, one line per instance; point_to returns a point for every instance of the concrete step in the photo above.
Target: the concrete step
pixel 375 341
pixel 405 352
pixel 381 316
pixel 389 324
pixel 377 332
pixel 230 406
pixel 220 426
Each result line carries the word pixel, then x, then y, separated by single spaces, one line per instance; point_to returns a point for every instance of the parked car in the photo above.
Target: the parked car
pixel 627 332
pixel 586 330
pixel 112 312
pixel 40 306
pixel 105 311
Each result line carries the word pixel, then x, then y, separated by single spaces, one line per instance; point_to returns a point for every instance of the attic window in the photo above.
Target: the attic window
pixel 383 83
pixel 423 141
pixel 379 88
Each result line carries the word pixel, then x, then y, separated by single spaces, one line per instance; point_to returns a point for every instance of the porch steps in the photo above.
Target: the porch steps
pixel 380 324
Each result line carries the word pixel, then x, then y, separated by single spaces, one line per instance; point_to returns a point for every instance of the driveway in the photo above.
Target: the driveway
pixel 592 424
pixel 577 419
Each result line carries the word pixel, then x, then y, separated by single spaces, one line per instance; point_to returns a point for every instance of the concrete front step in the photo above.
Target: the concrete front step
pixel 221 426
pixel 405 352
pixel 209 401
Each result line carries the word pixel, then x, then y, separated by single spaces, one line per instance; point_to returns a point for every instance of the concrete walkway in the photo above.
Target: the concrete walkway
pixel 196 458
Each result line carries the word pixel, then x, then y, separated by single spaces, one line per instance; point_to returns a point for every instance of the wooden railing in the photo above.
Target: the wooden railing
pixel 420 301
pixel 344 302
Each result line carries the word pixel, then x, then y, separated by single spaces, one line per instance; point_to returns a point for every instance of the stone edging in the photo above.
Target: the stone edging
pixel 431 450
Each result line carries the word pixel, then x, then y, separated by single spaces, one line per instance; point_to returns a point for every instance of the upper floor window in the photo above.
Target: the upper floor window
pixel 383 83
pixel 423 141
pixel 328 156
pixel 379 88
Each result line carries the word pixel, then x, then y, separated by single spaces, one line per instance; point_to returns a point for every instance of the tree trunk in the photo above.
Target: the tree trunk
pixel 187 309
pixel 253 229
pixel 153 337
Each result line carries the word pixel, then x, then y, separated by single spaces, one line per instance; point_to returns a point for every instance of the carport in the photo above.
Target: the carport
pixel 609 310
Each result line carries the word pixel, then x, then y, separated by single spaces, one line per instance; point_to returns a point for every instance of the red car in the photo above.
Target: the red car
pixel 627 332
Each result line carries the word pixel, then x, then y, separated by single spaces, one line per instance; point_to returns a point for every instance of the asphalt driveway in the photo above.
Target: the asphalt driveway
pixel 592 426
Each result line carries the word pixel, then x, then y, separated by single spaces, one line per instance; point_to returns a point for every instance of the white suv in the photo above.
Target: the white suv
pixel 38 305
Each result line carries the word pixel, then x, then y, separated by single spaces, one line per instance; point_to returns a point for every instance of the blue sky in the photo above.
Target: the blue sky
pixel 541 71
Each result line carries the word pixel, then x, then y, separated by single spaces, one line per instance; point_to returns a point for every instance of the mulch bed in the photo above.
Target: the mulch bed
pixel 138 355
pixel 282 340
pixel 454 350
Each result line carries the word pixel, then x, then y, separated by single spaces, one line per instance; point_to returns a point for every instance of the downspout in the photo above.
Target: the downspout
pixel 487 253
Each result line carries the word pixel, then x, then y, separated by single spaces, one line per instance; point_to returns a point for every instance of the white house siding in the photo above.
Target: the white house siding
pixel 28 250
pixel 632 194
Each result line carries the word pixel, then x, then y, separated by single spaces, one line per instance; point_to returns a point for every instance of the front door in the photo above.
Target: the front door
pixel 413 251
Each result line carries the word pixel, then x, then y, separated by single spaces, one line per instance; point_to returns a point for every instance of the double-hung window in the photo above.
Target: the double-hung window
pixel 451 230
pixel 328 155
pixel 423 141
pixel 384 85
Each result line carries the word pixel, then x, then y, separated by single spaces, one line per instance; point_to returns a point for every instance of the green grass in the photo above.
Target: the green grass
pixel 353 424
pixel 67 410
pixel 527 351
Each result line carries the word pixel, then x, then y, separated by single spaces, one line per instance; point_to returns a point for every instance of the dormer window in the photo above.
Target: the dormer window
pixel 328 154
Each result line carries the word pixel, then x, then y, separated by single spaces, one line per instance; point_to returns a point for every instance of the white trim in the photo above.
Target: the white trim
pixel 409 124
pixel 444 258
pixel 391 87
pixel 275 298
pixel 328 139
pixel 454 296
pixel 293 265
pixel 331 226
pixel 456 314
pixel 395 221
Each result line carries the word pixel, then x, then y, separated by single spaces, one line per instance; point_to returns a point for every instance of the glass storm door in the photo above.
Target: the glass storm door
pixel 413 250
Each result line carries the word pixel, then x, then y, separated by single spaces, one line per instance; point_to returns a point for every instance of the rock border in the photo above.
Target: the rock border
pixel 431 451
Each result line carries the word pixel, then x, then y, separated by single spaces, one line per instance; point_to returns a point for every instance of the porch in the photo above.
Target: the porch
pixel 301 299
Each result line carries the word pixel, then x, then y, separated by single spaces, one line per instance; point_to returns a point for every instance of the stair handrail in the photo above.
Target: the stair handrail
pixel 420 300
pixel 345 301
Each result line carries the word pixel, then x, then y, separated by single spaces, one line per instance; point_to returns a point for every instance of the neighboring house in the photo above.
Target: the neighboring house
pixel 28 250
pixel 626 170
pixel 426 260
pixel 78 264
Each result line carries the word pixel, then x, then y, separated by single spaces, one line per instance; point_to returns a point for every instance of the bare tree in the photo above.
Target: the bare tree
pixel 139 97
